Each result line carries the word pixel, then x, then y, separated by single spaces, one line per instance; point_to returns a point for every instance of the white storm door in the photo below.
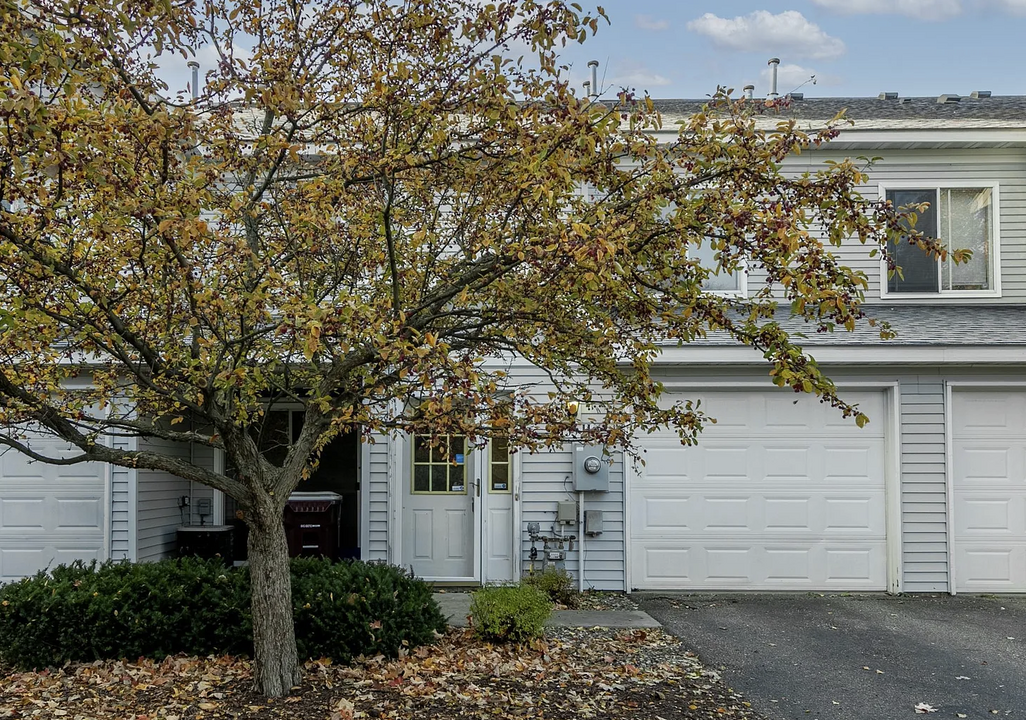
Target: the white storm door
pixel 988 433
pixel 497 496
pixel 439 511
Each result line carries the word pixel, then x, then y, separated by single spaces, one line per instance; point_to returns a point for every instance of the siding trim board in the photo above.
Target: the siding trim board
pixel 893 488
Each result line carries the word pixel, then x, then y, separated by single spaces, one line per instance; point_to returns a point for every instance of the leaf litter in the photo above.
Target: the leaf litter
pixel 573 673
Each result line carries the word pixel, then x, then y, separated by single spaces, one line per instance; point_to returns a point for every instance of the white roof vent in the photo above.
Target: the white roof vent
pixel 888 96
pixel 948 99
pixel 979 94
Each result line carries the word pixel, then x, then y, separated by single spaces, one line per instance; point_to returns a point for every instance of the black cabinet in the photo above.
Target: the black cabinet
pixel 207 541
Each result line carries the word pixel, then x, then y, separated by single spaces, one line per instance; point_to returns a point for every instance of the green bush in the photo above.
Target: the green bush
pixel 558 585
pixel 186 605
pixel 510 613
pixel 351 608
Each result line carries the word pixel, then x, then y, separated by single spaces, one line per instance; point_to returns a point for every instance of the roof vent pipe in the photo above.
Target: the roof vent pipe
pixel 593 64
pixel 774 63
pixel 749 92
pixel 195 79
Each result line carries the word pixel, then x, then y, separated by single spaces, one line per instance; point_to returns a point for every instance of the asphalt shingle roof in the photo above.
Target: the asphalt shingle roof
pixel 870 113
pixel 947 325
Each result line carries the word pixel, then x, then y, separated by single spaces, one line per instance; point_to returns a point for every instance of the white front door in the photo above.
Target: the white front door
pixel 989 489
pixel 440 505
pixel 782 493
pixel 457 511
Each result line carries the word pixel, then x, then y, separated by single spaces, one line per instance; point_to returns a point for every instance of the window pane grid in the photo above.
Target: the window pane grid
pixel 962 218
pixel 439 468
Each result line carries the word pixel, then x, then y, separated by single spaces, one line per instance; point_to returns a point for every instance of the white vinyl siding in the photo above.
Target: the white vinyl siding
pixel 546 479
pixel 157 495
pixel 932 168
pixel 121 519
pixel 376 485
pixel 923 491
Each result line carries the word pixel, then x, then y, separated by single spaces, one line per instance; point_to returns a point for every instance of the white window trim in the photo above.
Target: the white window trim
pixel 742 280
pixel 995 254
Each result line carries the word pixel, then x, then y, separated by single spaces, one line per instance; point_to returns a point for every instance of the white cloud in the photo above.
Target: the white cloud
pixel 642 80
pixel 1015 7
pixel 920 9
pixel 788 33
pixel 647 22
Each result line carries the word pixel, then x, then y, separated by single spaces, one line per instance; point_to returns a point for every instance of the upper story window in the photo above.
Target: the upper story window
pixel 718 280
pixel 963 217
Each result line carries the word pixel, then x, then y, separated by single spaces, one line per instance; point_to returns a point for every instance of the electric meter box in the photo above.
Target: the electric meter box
pixel 591 469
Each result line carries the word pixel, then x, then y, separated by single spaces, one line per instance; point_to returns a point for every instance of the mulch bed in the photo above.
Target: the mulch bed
pixel 571 673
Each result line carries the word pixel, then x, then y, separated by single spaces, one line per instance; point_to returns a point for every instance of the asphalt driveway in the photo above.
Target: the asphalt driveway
pixel 859 657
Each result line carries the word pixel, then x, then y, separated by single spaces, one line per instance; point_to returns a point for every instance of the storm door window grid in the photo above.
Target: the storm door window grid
pixel 498 466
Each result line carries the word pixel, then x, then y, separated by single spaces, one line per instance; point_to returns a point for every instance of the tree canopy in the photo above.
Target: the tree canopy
pixel 371 208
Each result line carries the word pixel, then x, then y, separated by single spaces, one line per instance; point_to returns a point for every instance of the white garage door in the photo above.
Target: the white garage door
pixel 49 514
pixel 989 483
pixel 781 494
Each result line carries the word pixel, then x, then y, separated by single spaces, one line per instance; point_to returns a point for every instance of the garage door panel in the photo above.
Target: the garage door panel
pixel 991 567
pixel 987 414
pixel 747 512
pixel 764 461
pixel 989 490
pixel 770 566
pixel 985 512
pixel 791 496
pixel 21 560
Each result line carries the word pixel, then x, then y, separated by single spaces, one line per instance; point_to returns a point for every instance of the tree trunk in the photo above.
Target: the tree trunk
pixel 276 667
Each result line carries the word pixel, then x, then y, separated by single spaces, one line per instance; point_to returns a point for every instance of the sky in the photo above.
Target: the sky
pixel 827 48
pixel 686 48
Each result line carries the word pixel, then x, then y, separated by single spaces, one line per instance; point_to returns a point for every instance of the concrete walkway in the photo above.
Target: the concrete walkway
pixel 456 608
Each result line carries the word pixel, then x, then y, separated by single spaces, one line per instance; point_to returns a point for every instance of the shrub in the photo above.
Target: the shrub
pixel 557 584
pixel 511 613
pixel 351 608
pixel 186 605
pixel 120 610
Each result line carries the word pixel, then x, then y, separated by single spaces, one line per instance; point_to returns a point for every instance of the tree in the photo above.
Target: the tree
pixel 368 203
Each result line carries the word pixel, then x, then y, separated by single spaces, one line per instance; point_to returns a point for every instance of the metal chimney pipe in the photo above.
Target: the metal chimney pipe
pixel 749 92
pixel 587 88
pixel 593 64
pixel 774 63
pixel 195 79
